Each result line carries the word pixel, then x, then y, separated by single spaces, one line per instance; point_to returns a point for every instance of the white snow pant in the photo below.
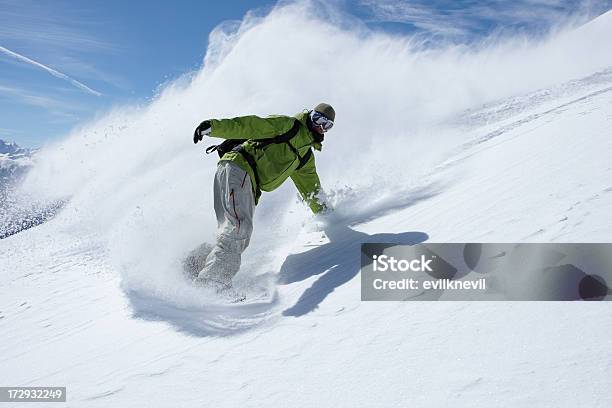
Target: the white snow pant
pixel 234 207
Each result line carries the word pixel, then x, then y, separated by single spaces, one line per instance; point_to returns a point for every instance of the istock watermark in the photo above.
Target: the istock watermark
pixel 486 271
pixel 384 263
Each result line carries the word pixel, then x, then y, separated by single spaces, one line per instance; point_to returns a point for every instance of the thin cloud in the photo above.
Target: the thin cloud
pixel 50 25
pixel 60 111
pixel 9 132
pixel 52 71
pixel 32 99
pixel 420 16
pixel 459 19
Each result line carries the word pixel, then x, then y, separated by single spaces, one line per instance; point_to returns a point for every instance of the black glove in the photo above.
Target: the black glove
pixel 203 129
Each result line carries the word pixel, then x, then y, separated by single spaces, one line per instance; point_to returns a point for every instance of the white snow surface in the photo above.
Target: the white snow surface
pixel 505 141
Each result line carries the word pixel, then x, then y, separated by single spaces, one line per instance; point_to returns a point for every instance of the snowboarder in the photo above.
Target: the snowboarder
pixel 258 155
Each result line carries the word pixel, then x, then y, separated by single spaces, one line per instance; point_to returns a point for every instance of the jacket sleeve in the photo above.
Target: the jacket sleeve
pixel 307 182
pixel 250 127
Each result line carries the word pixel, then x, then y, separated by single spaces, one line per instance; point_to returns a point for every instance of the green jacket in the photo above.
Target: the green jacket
pixel 275 162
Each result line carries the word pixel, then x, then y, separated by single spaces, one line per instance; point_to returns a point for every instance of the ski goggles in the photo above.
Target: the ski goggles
pixel 321 120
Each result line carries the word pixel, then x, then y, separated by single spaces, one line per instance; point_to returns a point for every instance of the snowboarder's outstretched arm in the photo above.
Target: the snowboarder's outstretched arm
pixel 250 127
pixel 307 182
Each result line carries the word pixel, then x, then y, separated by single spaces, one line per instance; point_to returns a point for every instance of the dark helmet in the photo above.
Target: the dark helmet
pixel 326 110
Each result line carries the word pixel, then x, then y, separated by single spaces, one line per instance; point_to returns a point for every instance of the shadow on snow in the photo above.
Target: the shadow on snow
pixel 338 261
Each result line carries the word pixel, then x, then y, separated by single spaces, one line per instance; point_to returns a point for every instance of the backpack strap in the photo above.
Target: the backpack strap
pixel 230 144
pixel 304 159
pixel 258 144
pixel 282 138
pixel 224 147
pixel 251 160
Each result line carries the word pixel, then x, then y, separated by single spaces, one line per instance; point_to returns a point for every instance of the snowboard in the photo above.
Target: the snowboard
pixel 247 290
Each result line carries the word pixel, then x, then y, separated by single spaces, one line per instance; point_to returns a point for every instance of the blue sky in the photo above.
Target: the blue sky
pixel 61 61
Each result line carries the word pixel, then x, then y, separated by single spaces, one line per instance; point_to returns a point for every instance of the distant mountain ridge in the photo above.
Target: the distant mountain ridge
pixel 16 213
pixel 12 148
pixel 14 162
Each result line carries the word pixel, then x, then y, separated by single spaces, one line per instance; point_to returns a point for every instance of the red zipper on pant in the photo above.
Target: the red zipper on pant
pixel 234 207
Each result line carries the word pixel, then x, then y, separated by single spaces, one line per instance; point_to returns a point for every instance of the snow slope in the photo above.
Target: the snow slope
pixel 18 211
pixel 507 142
